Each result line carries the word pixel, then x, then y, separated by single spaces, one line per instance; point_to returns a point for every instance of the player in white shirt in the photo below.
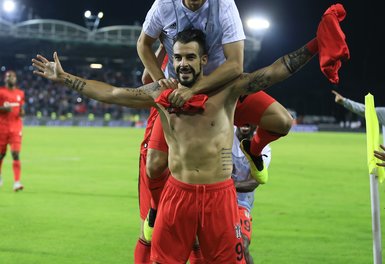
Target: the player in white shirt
pixel 245 184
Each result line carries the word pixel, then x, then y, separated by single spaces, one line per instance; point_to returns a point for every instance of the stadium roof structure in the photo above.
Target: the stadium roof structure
pixel 27 38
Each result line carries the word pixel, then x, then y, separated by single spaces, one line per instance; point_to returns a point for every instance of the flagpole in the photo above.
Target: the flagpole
pixel 376 224
pixel 375 172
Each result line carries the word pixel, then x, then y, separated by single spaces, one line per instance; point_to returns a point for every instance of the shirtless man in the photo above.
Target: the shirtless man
pixel 199 199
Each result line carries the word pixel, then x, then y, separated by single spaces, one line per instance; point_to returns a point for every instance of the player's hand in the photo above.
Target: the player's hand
pixel 168 83
pixel 339 98
pixel 47 69
pixel 380 155
pixel 180 96
pixel 7 107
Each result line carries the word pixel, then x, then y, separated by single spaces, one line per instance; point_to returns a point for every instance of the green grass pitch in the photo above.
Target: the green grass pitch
pixel 80 202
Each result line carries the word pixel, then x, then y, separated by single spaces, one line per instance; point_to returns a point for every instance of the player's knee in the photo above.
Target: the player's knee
pixel 157 162
pixel 285 121
pixel 15 155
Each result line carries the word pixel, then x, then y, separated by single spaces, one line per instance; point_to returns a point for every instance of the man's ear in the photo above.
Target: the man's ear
pixel 204 59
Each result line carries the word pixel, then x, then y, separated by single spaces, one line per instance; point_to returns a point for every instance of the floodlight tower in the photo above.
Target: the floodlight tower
pixel 8 8
pixel 14 11
pixel 92 21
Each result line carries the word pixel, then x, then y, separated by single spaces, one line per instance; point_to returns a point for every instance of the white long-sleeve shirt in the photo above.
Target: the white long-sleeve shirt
pixel 359 109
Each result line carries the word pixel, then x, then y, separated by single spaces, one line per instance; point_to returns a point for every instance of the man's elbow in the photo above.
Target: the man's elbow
pixel 139 45
pixel 236 67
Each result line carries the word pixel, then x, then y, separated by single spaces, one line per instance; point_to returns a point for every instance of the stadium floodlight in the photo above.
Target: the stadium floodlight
pixel 9 6
pixel 92 21
pixel 87 14
pixel 96 66
pixel 258 23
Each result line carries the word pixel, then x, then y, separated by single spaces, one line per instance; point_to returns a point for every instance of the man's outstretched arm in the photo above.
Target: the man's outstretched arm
pixel 140 97
pixel 280 70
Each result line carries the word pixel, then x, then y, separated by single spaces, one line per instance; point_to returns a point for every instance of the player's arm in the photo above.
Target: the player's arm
pixel 150 61
pixel 280 70
pixel 160 54
pixel 148 57
pixel 22 111
pixel 248 185
pixel 131 97
pixel 5 108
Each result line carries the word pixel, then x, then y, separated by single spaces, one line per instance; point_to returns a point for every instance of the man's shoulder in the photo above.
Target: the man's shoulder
pixel 226 3
pixel 3 90
pixel 20 91
pixel 164 4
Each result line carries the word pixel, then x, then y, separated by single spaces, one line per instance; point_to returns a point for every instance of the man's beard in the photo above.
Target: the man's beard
pixel 191 82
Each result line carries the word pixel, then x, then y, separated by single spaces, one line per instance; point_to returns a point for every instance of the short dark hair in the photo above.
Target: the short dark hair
pixel 190 35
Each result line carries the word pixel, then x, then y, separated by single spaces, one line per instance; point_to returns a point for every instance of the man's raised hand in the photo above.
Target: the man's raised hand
pixel 47 69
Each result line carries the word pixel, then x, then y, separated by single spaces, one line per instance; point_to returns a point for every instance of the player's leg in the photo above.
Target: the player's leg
pixel 15 143
pixel 273 122
pixel 157 172
pixel 176 223
pixel 246 228
pixel 219 228
pixel 3 151
pixel 196 256
pixel 142 251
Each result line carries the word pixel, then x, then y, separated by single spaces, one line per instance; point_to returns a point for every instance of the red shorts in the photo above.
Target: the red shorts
pixel 206 211
pixel 246 222
pixel 250 109
pixel 11 138
pixel 157 140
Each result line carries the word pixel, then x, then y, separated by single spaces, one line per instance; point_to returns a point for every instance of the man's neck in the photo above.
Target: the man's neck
pixel 10 87
pixel 193 7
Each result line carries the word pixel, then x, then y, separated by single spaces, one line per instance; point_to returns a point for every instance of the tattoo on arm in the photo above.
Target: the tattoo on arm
pixel 227 159
pixel 256 81
pixel 295 60
pixel 147 89
pixel 77 84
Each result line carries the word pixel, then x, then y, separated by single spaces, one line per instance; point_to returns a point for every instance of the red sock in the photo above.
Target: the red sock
pixel 16 170
pixel 142 252
pixel 156 187
pixel 261 139
pixel 196 256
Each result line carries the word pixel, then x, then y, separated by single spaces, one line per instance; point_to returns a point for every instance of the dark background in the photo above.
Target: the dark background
pixel 293 23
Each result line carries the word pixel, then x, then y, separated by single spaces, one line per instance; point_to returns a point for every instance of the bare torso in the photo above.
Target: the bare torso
pixel 200 144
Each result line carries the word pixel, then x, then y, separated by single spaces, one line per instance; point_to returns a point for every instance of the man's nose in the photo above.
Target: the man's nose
pixel 183 62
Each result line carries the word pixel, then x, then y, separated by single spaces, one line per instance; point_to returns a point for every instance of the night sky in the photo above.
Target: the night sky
pixel 293 23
